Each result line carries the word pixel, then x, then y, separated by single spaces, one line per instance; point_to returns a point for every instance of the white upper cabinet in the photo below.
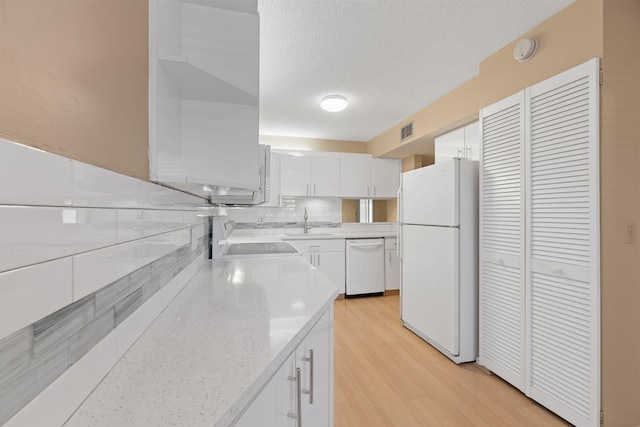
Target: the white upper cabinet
pixel 325 176
pixel 346 175
pixel 355 176
pixel 472 141
pixel 385 178
pixel 274 181
pixel 295 175
pixel 449 145
pixel 203 93
pixel 362 177
pixel 313 176
pixel 461 143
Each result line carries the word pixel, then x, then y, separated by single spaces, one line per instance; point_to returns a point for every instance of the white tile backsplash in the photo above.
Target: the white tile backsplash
pixel 94 186
pixel 137 223
pixel 134 325
pixel 158 197
pixel 36 234
pixel 29 294
pixel 58 401
pixel 172 220
pixel 96 269
pixel 33 177
pixel 292 210
pixel 67 229
pixel 171 289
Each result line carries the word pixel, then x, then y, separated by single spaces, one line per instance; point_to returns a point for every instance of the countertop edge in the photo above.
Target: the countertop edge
pixel 235 407
pixel 235 411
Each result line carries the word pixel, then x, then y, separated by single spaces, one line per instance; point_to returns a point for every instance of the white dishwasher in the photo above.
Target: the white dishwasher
pixel 365 267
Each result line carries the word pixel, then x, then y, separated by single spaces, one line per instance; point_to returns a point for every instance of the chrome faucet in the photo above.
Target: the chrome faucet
pixel 307 226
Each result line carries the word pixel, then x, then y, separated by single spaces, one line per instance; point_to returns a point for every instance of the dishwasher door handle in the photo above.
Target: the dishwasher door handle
pixel 359 245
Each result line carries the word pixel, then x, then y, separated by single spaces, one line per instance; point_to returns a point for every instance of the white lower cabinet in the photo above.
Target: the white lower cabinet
pixel 275 402
pixel 326 255
pixel 391 264
pixel 332 265
pixel 313 358
pixel 301 391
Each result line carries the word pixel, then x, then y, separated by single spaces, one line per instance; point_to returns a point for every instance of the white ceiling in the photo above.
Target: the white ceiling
pixel 390 58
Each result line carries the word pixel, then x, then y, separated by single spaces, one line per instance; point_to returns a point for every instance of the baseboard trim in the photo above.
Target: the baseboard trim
pixel 392 292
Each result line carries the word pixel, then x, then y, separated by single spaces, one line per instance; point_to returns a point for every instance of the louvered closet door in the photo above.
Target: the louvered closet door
pixel 563 244
pixel 502 294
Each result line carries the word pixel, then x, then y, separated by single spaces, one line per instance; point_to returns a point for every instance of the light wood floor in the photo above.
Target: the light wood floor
pixel 387 376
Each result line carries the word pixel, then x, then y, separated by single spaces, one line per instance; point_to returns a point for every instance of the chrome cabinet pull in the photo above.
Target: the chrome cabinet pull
pixel 367 190
pixel 318 259
pixel 389 257
pixel 310 391
pixel 297 416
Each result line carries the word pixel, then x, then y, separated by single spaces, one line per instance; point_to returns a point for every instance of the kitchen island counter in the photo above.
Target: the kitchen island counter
pixel 213 349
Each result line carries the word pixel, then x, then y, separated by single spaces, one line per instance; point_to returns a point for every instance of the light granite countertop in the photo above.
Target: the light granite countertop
pixel 205 358
pixel 348 232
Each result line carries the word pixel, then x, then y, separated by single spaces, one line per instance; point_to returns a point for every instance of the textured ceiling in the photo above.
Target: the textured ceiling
pixel 390 58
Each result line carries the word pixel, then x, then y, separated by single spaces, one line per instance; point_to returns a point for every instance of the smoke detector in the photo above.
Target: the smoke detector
pixel 525 49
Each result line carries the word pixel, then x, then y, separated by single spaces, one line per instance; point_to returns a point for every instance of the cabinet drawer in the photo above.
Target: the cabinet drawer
pixel 391 243
pixel 318 245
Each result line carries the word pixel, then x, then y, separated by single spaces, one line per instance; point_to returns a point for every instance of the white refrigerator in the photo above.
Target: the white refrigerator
pixel 438 248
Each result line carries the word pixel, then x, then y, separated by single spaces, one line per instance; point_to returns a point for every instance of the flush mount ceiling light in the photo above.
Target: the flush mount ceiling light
pixel 333 103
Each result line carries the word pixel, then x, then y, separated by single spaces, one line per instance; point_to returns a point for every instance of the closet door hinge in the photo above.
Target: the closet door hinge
pixel 601 76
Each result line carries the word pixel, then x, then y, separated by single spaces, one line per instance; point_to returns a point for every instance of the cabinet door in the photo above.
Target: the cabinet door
pixel 220 143
pixel 316 374
pixel 332 264
pixel 391 270
pixel 276 400
pixel 274 183
pixel 295 175
pixel 325 176
pixel 385 177
pixel 204 85
pixel 472 141
pixel 502 297
pixel 355 172
pixel 450 145
pixel 563 279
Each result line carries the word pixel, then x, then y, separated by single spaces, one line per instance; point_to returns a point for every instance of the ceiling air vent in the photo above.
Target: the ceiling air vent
pixel 406 132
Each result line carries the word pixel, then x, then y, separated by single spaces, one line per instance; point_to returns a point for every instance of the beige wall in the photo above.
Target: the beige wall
pixel 568 38
pixel 349 210
pixel 620 204
pixel 411 162
pixel 73 79
pixel 458 107
pixel 380 211
pixel 313 144
pixel 392 210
